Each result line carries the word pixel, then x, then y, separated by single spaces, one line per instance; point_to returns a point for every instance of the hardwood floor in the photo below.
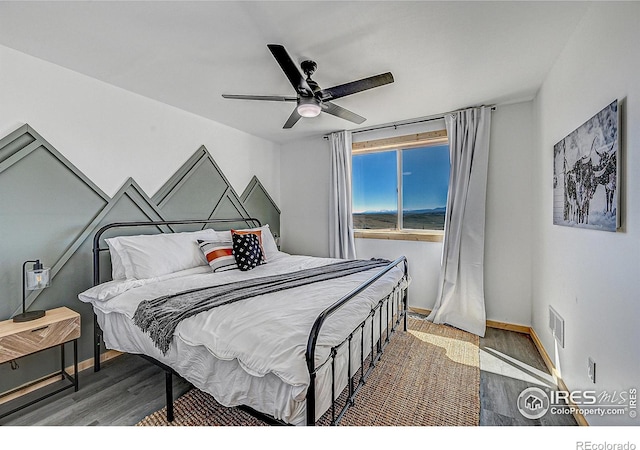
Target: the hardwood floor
pixel 510 363
pixel 124 391
pixel 128 388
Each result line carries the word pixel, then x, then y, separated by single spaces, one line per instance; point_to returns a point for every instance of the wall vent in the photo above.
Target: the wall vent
pixel 556 325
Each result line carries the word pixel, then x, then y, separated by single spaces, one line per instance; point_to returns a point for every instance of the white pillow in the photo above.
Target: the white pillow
pixel 147 256
pixel 268 242
pixel 117 268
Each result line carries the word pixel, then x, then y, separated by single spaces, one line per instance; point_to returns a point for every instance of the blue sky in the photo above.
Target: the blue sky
pixel 425 179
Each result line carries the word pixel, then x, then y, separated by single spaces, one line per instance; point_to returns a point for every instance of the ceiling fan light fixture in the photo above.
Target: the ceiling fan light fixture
pixel 308 108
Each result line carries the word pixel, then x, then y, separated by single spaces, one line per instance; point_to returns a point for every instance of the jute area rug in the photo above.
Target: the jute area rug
pixel 428 376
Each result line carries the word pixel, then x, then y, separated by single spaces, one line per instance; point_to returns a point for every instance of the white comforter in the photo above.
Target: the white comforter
pixel 265 334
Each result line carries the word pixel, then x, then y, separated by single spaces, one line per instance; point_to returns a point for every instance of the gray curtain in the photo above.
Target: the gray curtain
pixel 460 300
pixel 341 241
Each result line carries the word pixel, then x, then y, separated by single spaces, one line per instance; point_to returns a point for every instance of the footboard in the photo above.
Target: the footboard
pixel 356 379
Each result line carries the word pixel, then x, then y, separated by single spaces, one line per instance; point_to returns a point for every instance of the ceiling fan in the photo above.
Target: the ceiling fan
pixel 311 99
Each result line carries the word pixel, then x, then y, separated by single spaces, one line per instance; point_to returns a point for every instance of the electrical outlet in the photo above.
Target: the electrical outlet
pixel 591 370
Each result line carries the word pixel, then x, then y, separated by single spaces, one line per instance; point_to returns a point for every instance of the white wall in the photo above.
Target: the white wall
pixel 592 278
pixel 304 190
pixel 305 167
pixel 507 279
pixel 111 134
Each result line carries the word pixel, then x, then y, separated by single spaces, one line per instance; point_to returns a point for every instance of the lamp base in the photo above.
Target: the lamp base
pixel 29 315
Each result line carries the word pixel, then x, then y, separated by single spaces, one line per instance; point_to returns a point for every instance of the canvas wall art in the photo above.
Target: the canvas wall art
pixel 586 174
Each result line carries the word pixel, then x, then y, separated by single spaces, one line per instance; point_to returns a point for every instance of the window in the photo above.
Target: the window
pixel 412 172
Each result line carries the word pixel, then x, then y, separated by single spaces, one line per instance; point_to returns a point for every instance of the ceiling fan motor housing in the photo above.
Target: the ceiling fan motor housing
pixel 308 67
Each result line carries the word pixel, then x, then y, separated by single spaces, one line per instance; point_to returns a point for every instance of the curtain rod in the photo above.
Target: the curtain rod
pixel 412 122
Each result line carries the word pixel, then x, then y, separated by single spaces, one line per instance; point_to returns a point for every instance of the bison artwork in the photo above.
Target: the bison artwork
pixel 585 174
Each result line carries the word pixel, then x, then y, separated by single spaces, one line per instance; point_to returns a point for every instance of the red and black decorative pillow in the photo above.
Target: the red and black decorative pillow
pixel 258 234
pixel 247 251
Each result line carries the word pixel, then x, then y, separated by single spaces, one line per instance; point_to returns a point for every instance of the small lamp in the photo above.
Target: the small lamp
pixel 33 279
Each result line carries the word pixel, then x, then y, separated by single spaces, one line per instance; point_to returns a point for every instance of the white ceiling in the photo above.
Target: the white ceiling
pixel 443 55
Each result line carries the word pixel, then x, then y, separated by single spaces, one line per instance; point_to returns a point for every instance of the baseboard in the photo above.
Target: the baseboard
pixel 490 323
pixel 508 326
pixel 47 380
pixel 544 354
pixel 536 341
pixel 424 312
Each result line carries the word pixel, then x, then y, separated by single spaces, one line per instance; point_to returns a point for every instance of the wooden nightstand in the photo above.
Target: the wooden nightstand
pixel 56 328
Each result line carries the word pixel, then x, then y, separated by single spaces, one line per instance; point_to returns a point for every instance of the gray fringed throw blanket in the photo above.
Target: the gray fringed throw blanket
pixel 160 317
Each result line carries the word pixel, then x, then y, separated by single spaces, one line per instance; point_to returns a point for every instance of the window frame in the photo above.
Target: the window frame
pixel 400 143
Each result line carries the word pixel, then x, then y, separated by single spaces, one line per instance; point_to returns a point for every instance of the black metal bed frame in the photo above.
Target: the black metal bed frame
pixel 355 380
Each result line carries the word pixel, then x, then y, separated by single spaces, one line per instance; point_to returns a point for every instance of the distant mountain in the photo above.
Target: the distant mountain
pixel 423 211
pixel 439 210
pixel 379 211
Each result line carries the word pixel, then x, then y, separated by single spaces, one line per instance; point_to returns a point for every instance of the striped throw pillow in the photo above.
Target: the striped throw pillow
pixel 219 255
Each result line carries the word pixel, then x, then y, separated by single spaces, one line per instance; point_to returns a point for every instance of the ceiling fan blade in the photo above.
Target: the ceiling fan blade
pixel 272 98
pixel 343 90
pixel 290 69
pixel 339 111
pixel 293 118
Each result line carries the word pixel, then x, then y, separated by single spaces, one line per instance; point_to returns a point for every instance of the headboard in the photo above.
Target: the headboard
pixel 160 225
